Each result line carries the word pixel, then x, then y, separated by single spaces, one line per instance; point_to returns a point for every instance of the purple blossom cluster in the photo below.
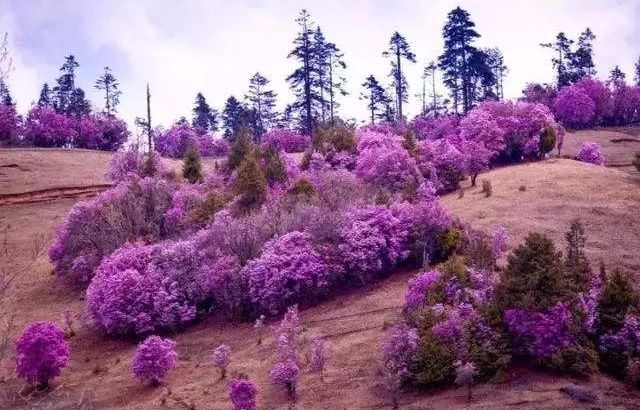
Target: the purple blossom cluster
pixel 128 165
pixel 221 358
pixel 153 359
pixel 574 108
pixel 499 242
pixel 318 355
pixel 41 353
pixel 591 153
pixel 540 334
pixel 286 140
pixel 419 286
pixel 174 142
pixel 286 371
pixel 242 393
pixel 627 339
pixel 44 127
pixel 399 350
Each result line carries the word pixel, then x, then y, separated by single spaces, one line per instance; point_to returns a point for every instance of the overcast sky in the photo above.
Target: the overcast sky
pixel 214 46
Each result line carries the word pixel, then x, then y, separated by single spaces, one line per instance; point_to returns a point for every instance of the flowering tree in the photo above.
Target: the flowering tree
pixel 392 168
pixel 221 358
pixel 286 371
pixel 399 349
pixel 44 127
pixel 591 153
pixel 601 96
pixel 286 140
pixel 318 356
pixel 433 128
pixel 101 132
pixel 574 108
pixel 289 270
pixel 242 393
pixel 153 359
pixel 41 353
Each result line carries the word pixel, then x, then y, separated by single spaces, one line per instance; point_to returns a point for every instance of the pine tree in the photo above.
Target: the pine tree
pixel 301 80
pixel 250 185
pixel 327 65
pixel 5 95
pixel 262 102
pixel 110 85
pixel 562 61
pixel 192 165
pixel 499 70
pixel 375 96
pixel 465 68
pixel 205 118
pixel 638 71
pixel 234 116
pixel 399 49
pixel 6 62
pixel 617 76
pixel 65 85
pixel 581 61
pixel 389 110
pixel 45 97
pixel 241 148
pixel 274 169
pixel 78 105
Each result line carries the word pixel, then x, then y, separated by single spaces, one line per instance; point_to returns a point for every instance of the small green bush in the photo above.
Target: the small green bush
pixel 302 188
pixel 434 365
pixel 274 169
pixel 213 203
pixel 338 136
pixel 547 140
pixel 192 165
pixel 579 359
pixel 409 143
pixel 447 243
pixel 576 263
pixel 487 188
pixel 242 148
pixel 250 185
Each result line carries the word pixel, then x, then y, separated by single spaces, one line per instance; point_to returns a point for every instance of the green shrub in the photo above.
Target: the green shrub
pixel 487 188
pixel 334 137
pixel 192 165
pixel 547 140
pixel 241 148
pixel 447 243
pixel 274 169
pixel 383 197
pixel 409 143
pixel 579 359
pixel 306 160
pixel 434 364
pixel 576 263
pixel 617 298
pixel 303 188
pixel 534 277
pixel 490 357
pixel 213 203
pixel 477 250
pixel 250 185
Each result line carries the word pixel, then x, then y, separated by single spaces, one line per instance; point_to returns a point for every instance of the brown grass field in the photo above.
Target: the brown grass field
pixel 607 200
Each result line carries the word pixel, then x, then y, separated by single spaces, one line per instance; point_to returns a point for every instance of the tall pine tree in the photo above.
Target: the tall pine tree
pixel 234 116
pixel 637 67
pixel 205 118
pixel 499 70
pixel 582 64
pixel 375 96
pixel 327 66
pixel 5 95
pixel 262 101
pixel 109 84
pixel 617 76
pixel 301 80
pixel 398 50
pixel 45 97
pixel 65 85
pixel 465 68
pixel 562 60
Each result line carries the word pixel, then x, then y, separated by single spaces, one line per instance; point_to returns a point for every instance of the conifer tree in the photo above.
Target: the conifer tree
pixel 327 66
pixel 398 50
pixel 45 97
pixel 65 85
pixel 499 70
pixel 109 84
pixel 205 118
pixel 5 95
pixel 262 102
pixel 562 61
pixel 250 185
pixel 234 116
pixel 637 71
pixel 375 96
pixel 241 148
pixel 581 62
pixel 192 165
pixel 617 76
pixel 301 80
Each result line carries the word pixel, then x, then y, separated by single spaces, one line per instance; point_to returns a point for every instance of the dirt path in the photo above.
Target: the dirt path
pixel 51 194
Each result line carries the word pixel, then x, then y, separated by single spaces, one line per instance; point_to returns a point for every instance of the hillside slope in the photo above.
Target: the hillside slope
pixel 607 200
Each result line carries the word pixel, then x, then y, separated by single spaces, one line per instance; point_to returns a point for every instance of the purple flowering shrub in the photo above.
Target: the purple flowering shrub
pixel 101 132
pixel 419 286
pixel 539 93
pixel 210 145
pixel 174 141
pixel 93 229
pixel 130 164
pixel 41 353
pixel 286 140
pixel 9 125
pixel 286 371
pixel 399 350
pixel 153 359
pixel 318 356
pixel 221 358
pixel 626 104
pixel 44 127
pixel 442 163
pixel 288 271
pixel 591 153
pixel 574 108
pixel 433 128
pixel 242 393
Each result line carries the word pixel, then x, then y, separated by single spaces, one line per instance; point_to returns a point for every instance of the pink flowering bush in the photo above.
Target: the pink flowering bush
pixel 370 139
pixel 399 350
pixel 41 353
pixel 384 127
pixel 626 104
pixel 601 96
pixel 428 127
pixel 221 358
pixel 44 127
pixel 419 285
pixel 210 145
pixel 93 229
pixel 9 125
pixel 288 271
pixel 242 393
pixel 175 141
pixel 101 132
pixel 389 167
pixel 574 108
pixel 318 355
pixel 539 93
pixel 540 334
pixel 153 359
pixel 124 165
pixel 499 242
pixel 286 140
pixel 591 153
pixel 286 371
pixel 443 164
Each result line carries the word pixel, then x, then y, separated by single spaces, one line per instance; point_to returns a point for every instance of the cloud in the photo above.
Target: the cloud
pixel 182 47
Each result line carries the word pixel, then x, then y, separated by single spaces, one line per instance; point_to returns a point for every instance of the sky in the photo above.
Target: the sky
pixel 182 47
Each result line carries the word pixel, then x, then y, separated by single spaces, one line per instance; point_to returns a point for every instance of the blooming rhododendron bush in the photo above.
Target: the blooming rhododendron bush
pixel 286 140
pixel 174 142
pixel 41 353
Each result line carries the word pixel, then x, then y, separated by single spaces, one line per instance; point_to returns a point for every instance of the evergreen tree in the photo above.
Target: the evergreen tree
pixel 65 86
pixel 262 102
pixel 205 118
pixel 45 97
pixel 375 96
pixel 241 148
pixel 499 70
pixel 192 165
pixel 617 76
pixel 638 71
pixel 79 105
pixel 301 80
pixel 562 61
pixel 435 105
pixel 5 95
pixel 110 85
pixel 399 49
pixel 389 110
pixel 250 185
pixel 328 63
pixel 273 167
pixel 465 68
pixel 234 116
pixel 6 62
pixel 581 61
